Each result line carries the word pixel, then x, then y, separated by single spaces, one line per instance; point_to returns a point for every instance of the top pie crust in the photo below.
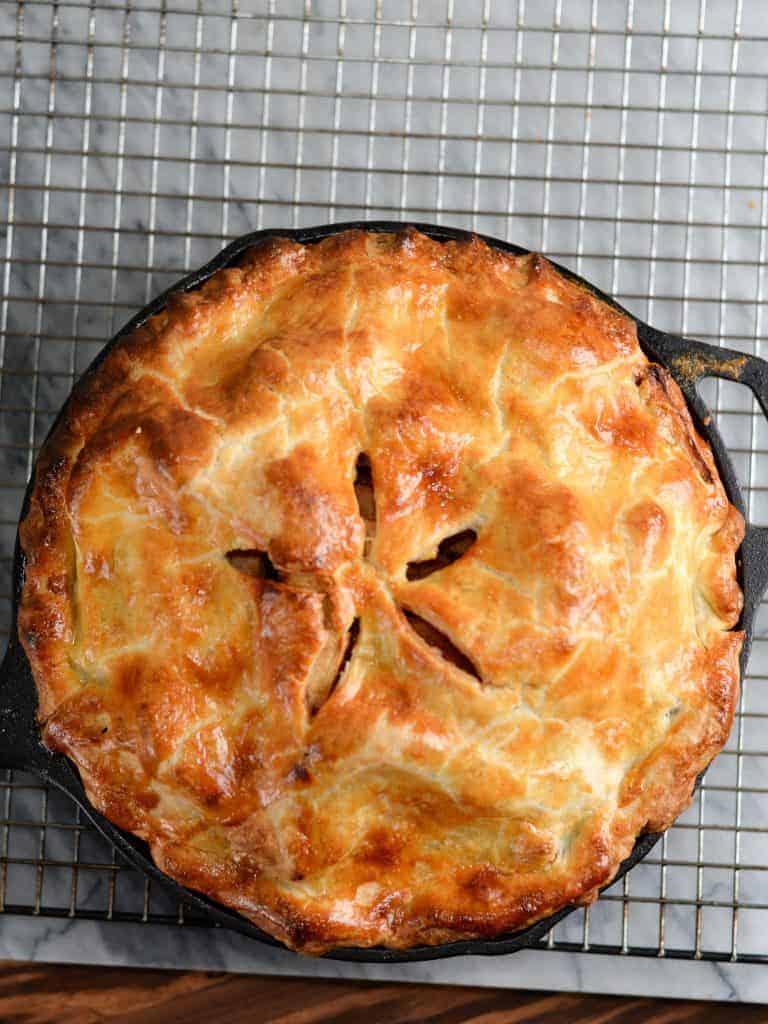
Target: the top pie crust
pixel 395 799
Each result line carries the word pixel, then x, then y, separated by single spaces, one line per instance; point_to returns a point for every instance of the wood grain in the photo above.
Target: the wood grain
pixel 39 994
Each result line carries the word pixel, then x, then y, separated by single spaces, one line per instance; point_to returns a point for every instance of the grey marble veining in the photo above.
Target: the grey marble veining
pixel 63 941
pixel 113 150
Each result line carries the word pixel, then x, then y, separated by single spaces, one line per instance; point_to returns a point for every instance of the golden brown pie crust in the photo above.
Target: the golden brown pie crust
pixel 407 801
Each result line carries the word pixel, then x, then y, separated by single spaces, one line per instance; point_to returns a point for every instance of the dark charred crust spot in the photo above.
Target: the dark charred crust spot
pixel 31 639
pixel 58 584
pixel 300 773
pixel 300 933
pixel 55 473
pixel 653 372
pixel 446 647
pixel 538 265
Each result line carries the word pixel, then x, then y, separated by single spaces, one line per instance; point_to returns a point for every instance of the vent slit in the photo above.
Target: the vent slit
pixel 437 639
pixel 253 563
pixel 366 497
pixel 449 551
pixel 352 634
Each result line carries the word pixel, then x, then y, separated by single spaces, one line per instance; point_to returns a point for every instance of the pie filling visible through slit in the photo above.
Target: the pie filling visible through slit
pixel 385 588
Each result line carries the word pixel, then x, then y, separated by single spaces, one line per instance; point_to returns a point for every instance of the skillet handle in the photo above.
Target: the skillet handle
pixel 689 362
pixel 754 558
pixel 20 745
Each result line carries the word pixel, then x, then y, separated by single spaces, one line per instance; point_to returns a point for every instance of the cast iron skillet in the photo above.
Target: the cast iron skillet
pixel 688 361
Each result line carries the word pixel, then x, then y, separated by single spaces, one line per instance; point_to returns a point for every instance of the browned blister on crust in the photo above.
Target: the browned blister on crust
pixel 385 588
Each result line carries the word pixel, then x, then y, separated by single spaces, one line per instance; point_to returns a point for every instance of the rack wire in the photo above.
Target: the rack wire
pixel 626 140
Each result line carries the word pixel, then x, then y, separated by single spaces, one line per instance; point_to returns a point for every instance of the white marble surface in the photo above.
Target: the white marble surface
pixel 137 945
pixel 119 193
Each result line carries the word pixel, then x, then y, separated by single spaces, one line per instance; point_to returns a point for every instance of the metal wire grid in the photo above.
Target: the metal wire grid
pixel 626 140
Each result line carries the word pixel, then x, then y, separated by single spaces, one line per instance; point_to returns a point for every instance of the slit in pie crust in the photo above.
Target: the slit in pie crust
pixel 385 589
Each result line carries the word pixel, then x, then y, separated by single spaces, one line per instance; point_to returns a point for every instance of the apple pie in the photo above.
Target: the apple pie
pixel 385 588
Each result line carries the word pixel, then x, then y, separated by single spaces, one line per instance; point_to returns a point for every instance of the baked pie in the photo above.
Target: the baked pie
pixel 385 588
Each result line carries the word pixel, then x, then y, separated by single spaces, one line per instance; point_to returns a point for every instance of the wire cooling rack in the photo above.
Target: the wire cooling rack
pixel 627 140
